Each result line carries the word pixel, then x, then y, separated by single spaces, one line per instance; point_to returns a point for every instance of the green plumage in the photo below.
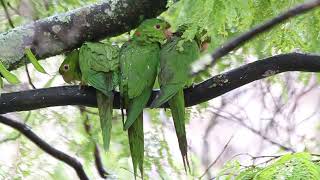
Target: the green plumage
pixel 173 77
pixel 136 142
pixel 138 65
pixel 139 59
pixel 95 64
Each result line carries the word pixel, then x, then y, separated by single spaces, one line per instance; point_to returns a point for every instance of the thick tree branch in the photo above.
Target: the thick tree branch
pixel 57 34
pixel 210 59
pixel 25 130
pixel 209 89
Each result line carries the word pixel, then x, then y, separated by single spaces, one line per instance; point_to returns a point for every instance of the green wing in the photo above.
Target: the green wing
pixel 138 72
pixel 97 59
pixel 174 68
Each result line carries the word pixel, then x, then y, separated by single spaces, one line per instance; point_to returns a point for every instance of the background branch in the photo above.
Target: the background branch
pixel 25 130
pixel 209 89
pixel 96 152
pixel 57 34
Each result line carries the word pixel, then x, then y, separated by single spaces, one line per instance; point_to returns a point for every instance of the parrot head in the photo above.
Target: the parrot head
pixel 70 69
pixel 152 30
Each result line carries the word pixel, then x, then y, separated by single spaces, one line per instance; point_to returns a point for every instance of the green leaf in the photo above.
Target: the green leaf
pixel 34 61
pixel 11 78
pixel 49 83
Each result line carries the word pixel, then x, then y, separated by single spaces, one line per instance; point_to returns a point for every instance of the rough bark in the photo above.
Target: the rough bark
pixel 57 34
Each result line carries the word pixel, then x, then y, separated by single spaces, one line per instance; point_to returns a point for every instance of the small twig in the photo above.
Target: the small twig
pixel 210 59
pixel 13 9
pixel 26 131
pixel 7 13
pixel 218 157
pixel 17 135
pixel 89 111
pixel 97 157
pixel 28 75
pixel 236 119
pixel 98 161
pixel 10 138
pixel 131 172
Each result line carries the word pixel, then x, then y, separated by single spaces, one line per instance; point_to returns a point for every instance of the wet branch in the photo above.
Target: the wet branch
pixel 202 92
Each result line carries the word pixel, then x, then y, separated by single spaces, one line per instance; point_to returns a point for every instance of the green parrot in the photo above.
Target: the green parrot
pixel 139 60
pixel 95 64
pixel 173 78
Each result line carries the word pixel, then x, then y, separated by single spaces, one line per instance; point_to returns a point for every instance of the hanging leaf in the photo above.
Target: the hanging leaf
pixel 34 61
pixel 11 78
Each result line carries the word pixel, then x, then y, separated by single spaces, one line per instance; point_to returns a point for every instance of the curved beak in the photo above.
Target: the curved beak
pixel 168 33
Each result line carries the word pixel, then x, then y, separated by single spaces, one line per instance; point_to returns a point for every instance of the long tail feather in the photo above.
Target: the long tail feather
pixel 136 141
pixel 136 107
pixel 166 93
pixel 105 106
pixel 177 106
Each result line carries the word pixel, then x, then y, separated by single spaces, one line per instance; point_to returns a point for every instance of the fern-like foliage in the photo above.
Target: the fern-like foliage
pixel 298 166
pixel 223 19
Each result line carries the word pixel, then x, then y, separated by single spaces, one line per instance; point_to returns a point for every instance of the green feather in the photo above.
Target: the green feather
pixel 105 107
pixel 137 104
pixel 96 64
pixel 136 142
pixel 139 60
pixel 70 69
pixel 173 77
pixel 176 104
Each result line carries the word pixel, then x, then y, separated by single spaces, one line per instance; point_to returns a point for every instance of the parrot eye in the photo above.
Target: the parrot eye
pixel 66 67
pixel 157 26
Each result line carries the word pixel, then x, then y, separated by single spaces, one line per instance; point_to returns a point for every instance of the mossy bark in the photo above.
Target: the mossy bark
pixel 57 34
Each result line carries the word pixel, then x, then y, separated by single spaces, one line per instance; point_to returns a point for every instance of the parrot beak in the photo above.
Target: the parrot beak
pixel 168 33
pixel 67 79
pixel 204 47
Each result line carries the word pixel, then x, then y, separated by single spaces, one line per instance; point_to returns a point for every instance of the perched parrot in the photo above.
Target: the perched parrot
pixel 95 64
pixel 139 60
pixel 173 77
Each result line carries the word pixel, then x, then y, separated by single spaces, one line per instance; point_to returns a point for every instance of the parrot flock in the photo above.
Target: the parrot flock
pixel 151 51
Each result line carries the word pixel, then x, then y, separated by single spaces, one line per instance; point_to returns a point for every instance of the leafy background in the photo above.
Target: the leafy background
pixel 281 109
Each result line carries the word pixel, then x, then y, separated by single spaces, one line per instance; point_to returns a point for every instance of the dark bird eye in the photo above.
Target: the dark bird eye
pixel 157 26
pixel 66 67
